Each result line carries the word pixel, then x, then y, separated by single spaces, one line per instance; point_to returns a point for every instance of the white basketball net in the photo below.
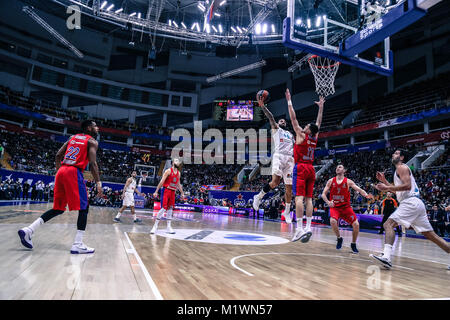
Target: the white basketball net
pixel 324 71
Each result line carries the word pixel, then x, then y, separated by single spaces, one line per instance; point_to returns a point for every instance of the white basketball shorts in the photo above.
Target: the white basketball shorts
pixel 412 213
pixel 128 199
pixel 283 166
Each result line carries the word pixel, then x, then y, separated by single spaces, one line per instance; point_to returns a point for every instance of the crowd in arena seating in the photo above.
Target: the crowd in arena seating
pixel 35 154
pixel 7 96
pixel 194 176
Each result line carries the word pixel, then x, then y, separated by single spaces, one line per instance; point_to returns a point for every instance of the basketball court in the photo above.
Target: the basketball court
pixel 210 257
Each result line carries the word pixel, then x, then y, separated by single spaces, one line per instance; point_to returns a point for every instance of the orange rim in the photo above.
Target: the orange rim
pixel 324 67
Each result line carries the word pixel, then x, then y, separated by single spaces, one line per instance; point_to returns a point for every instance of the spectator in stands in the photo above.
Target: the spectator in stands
pixel 26 188
pixel 437 219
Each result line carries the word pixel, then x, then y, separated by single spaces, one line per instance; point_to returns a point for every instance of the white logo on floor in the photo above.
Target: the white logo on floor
pixel 223 237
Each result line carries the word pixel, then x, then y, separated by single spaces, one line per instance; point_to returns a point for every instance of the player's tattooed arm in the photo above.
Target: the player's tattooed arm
pixel 320 103
pixel 180 187
pixel 325 192
pixel 92 156
pixel 353 185
pixel 298 130
pixel 160 184
pixel 60 155
pixel 269 115
pixel 126 187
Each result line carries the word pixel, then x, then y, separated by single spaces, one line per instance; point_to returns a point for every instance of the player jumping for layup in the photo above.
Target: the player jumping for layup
pixel 340 207
pixel 171 182
pixel 70 189
pixel 304 174
pixel 282 161
pixel 128 198
pixel 410 212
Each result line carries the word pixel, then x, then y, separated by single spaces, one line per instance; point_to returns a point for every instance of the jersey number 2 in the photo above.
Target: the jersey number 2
pixel 72 153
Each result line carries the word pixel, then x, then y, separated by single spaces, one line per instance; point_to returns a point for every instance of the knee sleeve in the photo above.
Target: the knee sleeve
pixel 82 219
pixel 50 214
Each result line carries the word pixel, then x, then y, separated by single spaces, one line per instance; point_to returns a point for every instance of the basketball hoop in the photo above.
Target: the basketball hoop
pixel 324 71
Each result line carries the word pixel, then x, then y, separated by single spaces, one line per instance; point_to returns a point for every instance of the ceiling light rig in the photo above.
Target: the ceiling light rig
pixel 195 32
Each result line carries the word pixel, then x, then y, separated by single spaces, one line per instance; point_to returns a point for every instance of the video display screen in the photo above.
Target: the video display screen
pixel 237 110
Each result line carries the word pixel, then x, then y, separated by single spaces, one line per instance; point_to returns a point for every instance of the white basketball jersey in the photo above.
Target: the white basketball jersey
pixel 413 192
pixel 283 141
pixel 132 185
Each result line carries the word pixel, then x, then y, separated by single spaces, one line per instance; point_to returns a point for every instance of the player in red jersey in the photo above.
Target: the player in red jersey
pixel 339 205
pixel 304 174
pixel 70 188
pixel 171 182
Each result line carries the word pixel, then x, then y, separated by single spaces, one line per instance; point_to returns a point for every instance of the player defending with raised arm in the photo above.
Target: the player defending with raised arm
pixel 70 188
pixel 304 174
pixel 410 212
pixel 170 182
pixel 282 161
pixel 128 198
pixel 340 206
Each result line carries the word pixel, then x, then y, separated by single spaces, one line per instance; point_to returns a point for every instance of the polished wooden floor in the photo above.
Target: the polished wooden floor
pixel 210 257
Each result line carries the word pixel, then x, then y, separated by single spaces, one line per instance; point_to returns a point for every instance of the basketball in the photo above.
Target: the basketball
pixel 264 94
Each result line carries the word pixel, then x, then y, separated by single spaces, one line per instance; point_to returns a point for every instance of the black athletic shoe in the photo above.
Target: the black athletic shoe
pixel 354 249
pixel 339 243
pixel 137 220
pixel 385 262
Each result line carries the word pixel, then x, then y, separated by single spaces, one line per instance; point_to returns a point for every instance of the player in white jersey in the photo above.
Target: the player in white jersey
pixel 282 161
pixel 128 198
pixel 410 212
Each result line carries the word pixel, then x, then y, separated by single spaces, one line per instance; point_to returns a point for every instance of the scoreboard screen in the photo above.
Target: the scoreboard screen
pixel 237 110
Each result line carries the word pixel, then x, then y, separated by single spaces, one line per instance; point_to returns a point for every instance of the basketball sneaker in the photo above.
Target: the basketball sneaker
pixel 25 237
pixel 137 220
pixel 116 219
pixel 256 202
pixel 354 249
pixel 287 217
pixel 339 243
pixel 81 248
pixel 385 262
pixel 302 235
pixel 170 230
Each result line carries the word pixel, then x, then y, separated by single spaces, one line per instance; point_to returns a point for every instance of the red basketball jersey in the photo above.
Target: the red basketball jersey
pixel 172 180
pixel 304 152
pixel 340 193
pixel 77 151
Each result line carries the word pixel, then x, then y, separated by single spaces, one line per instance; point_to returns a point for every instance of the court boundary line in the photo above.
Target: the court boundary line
pixel 233 263
pixel 149 279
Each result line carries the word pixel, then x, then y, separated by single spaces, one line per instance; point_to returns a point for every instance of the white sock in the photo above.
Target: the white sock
pixel 261 194
pixel 118 215
pixel 300 223
pixel 288 208
pixel 36 224
pixel 134 216
pixel 79 237
pixel 160 213
pixel 169 222
pixel 169 214
pixel 387 251
pixel 308 222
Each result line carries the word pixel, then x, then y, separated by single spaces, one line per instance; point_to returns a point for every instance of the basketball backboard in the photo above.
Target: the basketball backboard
pixel 354 32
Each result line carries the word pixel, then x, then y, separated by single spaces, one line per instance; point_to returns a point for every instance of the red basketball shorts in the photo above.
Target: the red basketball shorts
pixel 70 189
pixel 168 196
pixel 303 179
pixel 345 213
